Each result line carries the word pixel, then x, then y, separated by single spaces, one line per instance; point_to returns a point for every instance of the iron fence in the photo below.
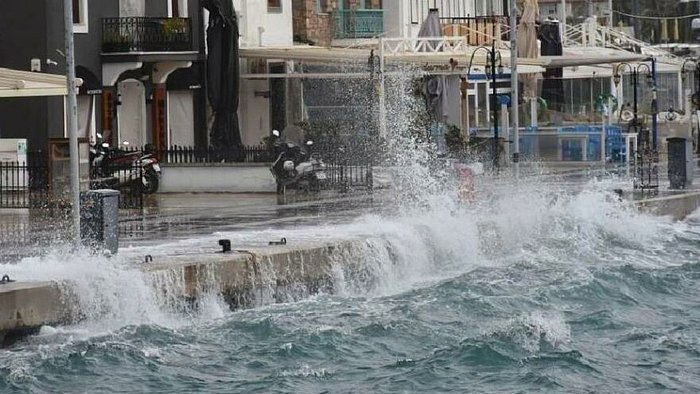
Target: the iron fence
pixel 146 34
pixel 188 155
pixel 24 184
pixel 344 177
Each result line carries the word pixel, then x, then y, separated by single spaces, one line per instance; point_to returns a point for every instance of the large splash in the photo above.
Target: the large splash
pixel 432 237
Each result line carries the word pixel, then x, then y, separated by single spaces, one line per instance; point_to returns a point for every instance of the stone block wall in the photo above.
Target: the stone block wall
pixel 310 25
pixel 314 26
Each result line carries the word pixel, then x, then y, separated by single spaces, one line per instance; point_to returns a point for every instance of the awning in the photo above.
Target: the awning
pixel 15 83
pixel 574 61
pixel 344 55
pixel 591 56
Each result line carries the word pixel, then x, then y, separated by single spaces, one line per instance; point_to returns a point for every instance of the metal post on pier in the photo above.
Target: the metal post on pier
pixel 382 91
pixel 72 121
pixel 514 88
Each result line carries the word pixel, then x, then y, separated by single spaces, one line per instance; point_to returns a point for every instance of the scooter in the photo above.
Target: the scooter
pixel 117 167
pixel 295 169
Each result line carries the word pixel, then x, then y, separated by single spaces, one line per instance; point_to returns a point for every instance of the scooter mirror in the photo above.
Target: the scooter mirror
pixel 276 133
pixel 105 145
pixel 309 143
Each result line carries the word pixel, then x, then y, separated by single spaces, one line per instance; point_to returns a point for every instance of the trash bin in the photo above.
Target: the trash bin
pixel 680 168
pixel 99 219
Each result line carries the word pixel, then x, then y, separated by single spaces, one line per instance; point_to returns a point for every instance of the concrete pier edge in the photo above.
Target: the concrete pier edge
pixel 244 278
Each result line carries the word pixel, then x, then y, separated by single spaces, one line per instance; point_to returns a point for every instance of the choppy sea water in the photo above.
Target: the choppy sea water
pixel 544 292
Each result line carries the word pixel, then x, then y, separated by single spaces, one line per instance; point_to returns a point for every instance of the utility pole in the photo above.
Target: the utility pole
pixel 494 107
pixel 72 114
pixel 514 92
pixel 635 11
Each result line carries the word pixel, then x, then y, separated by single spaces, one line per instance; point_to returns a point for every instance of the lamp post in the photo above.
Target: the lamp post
pixel 635 72
pixel 493 55
pixel 695 98
pixel 647 159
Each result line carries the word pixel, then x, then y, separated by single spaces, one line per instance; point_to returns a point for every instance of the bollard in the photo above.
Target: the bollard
pixel 99 220
pixel 225 245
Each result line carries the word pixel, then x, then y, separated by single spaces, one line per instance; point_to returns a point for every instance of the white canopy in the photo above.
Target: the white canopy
pixel 15 83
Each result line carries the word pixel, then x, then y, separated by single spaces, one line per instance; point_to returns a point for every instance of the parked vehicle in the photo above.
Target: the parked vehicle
pixel 294 168
pixel 119 167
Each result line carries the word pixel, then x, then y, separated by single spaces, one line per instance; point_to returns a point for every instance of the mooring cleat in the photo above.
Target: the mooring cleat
pixel 225 245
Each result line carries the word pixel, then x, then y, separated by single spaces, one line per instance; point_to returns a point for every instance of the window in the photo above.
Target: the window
pixel 274 5
pixel 80 16
pixel 177 8
pixel 322 6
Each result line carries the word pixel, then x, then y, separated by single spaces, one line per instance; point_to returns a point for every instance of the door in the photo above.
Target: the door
pixel 131 112
pixel 278 98
pixel 180 118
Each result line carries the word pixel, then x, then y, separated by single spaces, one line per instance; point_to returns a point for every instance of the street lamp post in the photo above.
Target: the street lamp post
pixel 646 165
pixel 493 56
pixel 635 72
pixel 695 98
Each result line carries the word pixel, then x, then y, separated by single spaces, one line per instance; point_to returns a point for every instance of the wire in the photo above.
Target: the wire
pixel 655 17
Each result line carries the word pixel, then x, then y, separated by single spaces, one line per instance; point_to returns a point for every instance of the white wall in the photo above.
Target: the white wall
pixel 230 179
pixel 278 25
pixel 254 112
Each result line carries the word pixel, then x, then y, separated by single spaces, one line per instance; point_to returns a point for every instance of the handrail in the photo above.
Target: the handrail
pixel 603 36
pixel 450 45
pixel 146 34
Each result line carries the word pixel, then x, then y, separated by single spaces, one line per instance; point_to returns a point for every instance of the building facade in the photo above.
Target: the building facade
pixel 140 62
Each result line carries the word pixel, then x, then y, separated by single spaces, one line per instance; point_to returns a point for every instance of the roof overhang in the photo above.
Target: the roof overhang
pixel 577 61
pixel 15 83
pixel 150 57
pixel 345 55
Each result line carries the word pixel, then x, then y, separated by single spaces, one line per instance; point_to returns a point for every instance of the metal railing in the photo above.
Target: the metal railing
pixel 189 155
pixel 24 184
pixel 447 8
pixel 587 35
pixel 358 23
pixel 145 34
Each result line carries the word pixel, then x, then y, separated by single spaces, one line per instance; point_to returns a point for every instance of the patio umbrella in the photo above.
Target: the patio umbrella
pixel 434 87
pixel 553 84
pixel 223 75
pixel 527 44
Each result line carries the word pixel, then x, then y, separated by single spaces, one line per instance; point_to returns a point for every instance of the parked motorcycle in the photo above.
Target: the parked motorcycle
pixel 118 167
pixel 294 168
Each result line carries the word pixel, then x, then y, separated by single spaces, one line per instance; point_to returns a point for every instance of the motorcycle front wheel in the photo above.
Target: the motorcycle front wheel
pixel 149 184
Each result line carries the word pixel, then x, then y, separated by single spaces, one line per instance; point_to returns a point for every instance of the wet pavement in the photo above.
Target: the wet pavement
pixel 178 216
pixel 174 216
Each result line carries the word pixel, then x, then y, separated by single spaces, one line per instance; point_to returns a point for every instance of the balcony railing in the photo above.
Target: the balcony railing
pixel 141 34
pixel 358 23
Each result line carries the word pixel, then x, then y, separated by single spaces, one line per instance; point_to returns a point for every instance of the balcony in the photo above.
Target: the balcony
pixel 357 23
pixel 142 34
